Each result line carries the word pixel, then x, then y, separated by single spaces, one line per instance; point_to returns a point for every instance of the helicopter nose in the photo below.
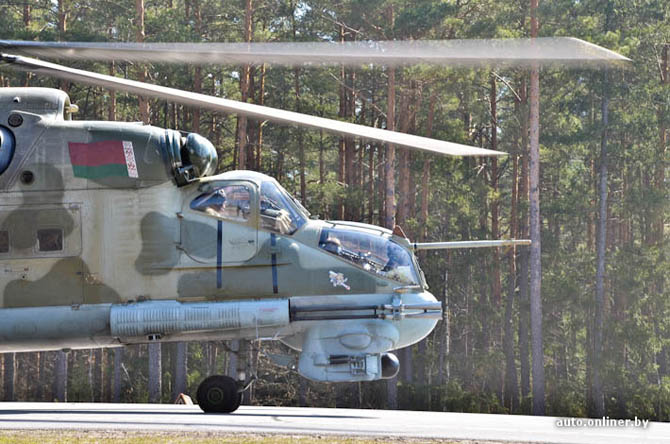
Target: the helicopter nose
pixel 418 322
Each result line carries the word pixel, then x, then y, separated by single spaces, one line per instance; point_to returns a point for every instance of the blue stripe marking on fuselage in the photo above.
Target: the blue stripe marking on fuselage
pixel 275 286
pixel 219 254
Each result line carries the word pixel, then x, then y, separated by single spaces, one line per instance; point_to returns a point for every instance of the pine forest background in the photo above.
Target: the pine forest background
pixel 607 354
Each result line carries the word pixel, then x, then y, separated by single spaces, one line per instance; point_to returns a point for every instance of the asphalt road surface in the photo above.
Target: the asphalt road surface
pixel 294 420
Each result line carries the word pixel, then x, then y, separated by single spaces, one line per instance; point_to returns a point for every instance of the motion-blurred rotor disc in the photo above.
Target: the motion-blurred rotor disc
pixel 512 52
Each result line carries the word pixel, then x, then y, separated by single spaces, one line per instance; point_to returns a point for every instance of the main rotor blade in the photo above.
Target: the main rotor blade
pixel 517 52
pixel 247 109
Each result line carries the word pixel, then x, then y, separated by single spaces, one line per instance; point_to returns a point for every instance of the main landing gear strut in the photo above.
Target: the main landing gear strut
pixel 221 394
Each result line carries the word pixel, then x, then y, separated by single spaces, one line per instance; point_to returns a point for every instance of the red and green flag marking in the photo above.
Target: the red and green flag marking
pixel 106 158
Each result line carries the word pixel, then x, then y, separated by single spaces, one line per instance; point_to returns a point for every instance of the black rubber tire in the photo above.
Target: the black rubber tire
pixel 218 394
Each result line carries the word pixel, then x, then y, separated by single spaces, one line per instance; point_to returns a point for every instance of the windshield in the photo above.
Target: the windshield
pixel 279 212
pixel 372 252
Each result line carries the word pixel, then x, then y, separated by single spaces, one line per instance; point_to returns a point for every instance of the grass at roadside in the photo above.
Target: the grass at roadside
pixel 121 437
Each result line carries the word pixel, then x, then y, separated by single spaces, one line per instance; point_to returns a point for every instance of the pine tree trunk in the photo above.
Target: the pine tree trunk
pixel 27 15
pixel 425 178
pixel 322 171
pixel 389 195
pixel 444 374
pixel 116 374
pixel 180 367
pixel 61 374
pixel 244 90
pixel 406 370
pixel 242 142
pixel 535 248
pixel 155 372
pixel 143 101
pixel 421 367
pixel 63 13
pixel 39 388
pixel 511 395
pixel 524 301
pixel 660 185
pixel 349 147
pixel 111 113
pixel 301 145
pixel 9 376
pixel 341 148
pixel 598 401
pixel 259 132
pixel 497 382
pixel 197 71
pixel 403 167
pixel 212 361
pixel 381 181
pixel 302 391
pixel 495 219
pixel 243 361
pixel 661 157
pixel 371 184
pixel 389 165
pixel 99 374
pixel 91 375
pixel 234 347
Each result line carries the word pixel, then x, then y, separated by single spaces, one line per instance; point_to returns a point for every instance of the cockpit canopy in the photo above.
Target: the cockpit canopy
pixel 224 201
pixel 233 200
pixel 374 252
pixel 280 212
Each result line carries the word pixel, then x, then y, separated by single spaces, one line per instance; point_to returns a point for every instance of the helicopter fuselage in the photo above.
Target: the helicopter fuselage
pixel 114 233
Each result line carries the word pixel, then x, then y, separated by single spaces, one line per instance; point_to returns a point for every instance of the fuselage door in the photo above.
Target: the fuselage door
pixel 220 222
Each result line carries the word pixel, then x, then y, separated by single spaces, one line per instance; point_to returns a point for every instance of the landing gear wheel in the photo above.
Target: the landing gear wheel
pixel 218 394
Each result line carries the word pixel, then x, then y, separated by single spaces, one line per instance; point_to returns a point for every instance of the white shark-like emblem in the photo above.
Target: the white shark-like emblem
pixel 338 280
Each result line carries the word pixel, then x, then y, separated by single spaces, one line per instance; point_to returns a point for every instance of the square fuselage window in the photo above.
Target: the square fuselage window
pixel 4 241
pixel 50 239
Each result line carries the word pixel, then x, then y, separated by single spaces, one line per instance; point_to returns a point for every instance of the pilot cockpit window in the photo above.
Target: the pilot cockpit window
pixel 279 212
pixel 230 202
pixel 372 252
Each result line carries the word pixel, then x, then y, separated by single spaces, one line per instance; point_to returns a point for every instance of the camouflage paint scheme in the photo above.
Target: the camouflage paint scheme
pixel 127 240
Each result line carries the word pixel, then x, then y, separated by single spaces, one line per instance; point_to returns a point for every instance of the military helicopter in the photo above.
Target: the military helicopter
pixel 115 233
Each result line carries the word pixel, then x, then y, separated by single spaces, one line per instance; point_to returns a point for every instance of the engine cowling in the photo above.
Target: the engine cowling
pixel 188 158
